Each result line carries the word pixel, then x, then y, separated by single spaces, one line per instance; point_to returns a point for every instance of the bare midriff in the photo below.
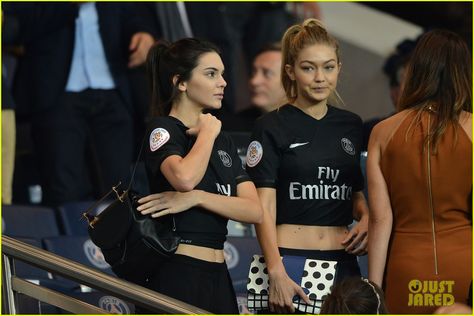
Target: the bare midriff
pixel 311 237
pixel 201 253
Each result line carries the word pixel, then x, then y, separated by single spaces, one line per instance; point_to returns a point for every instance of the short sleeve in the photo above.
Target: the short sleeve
pixel 164 138
pixel 263 154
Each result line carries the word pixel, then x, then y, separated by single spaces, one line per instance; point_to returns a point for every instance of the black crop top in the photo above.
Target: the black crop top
pixel 312 164
pixel 196 226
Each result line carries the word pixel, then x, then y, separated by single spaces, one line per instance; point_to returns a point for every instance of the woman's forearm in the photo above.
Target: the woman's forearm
pixel 185 173
pixel 379 237
pixel 242 209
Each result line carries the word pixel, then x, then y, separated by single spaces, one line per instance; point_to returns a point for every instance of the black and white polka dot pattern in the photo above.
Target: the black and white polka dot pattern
pixel 257 284
pixel 317 278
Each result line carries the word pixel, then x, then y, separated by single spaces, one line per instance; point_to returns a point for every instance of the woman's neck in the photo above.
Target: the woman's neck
pixel 187 114
pixel 315 110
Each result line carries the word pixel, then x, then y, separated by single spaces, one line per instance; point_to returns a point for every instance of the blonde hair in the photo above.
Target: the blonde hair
pixel 297 37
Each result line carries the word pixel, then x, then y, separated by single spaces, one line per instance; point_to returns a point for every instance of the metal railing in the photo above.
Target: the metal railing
pixel 135 294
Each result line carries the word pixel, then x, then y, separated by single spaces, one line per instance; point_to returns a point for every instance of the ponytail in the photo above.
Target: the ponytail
pixel 165 61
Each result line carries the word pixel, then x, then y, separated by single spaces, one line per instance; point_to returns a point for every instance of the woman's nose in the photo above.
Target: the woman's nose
pixel 318 76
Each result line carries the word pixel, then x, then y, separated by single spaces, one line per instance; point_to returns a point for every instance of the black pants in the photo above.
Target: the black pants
pixel 85 145
pixel 206 285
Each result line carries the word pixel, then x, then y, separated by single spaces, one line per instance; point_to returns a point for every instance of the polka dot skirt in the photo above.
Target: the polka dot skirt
pixel 317 279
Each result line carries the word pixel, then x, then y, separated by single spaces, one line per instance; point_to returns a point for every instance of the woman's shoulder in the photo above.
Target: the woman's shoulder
pixel 385 129
pixel 272 120
pixel 165 122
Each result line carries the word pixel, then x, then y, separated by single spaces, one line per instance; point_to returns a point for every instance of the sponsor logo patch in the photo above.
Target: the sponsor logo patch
pixel 158 138
pixel 348 146
pixel 298 145
pixel 225 157
pixel 254 153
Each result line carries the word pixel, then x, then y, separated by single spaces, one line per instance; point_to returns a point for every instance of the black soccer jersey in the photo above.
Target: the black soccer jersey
pixel 197 226
pixel 312 164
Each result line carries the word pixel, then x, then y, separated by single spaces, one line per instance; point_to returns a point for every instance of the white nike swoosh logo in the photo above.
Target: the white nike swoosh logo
pixel 298 145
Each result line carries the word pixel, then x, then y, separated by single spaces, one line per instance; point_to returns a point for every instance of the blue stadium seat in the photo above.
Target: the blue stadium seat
pixel 238 252
pixel 28 305
pixel 80 249
pixel 108 302
pixel 29 221
pixel 27 271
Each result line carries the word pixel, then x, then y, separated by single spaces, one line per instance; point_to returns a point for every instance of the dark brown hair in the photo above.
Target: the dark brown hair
pixel 438 79
pixel 164 61
pixel 269 47
pixel 355 295
pixel 297 37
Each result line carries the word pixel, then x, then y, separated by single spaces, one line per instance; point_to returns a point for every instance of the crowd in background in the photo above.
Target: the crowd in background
pixel 37 58
pixel 74 91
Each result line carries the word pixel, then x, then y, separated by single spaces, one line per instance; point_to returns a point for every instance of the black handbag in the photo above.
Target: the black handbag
pixel 132 244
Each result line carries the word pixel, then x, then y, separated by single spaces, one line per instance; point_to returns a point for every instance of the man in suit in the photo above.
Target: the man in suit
pixel 74 86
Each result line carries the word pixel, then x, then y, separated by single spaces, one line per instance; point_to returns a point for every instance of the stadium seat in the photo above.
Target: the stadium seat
pixel 107 302
pixel 80 249
pixel 238 252
pixel 27 271
pixel 29 221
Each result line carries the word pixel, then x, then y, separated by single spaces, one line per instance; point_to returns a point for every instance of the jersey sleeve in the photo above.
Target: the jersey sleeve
pixel 237 166
pixel 164 139
pixel 263 155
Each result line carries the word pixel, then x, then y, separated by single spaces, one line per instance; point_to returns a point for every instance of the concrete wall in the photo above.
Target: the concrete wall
pixel 367 37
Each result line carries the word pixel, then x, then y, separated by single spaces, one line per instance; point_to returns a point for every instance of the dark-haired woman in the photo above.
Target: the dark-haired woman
pixel 195 174
pixel 420 182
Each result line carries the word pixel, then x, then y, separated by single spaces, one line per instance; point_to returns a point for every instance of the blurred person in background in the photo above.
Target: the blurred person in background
pixel 394 68
pixel 73 85
pixel 266 90
pixel 10 32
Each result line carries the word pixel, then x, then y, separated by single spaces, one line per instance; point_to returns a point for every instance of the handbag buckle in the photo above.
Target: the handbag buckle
pixel 91 219
pixel 121 197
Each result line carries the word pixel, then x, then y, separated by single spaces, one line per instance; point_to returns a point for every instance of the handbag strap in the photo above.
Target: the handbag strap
pixel 136 163
pixel 92 218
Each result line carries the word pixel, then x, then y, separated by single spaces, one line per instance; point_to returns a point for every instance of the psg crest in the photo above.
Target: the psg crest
pixel 348 146
pixel 113 305
pixel 225 158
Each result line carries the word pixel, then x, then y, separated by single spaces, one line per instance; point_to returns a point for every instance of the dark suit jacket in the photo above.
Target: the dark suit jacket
pixel 48 32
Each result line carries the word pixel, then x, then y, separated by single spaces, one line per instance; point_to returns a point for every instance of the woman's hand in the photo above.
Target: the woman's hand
pixel 356 240
pixel 165 203
pixel 282 290
pixel 207 124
